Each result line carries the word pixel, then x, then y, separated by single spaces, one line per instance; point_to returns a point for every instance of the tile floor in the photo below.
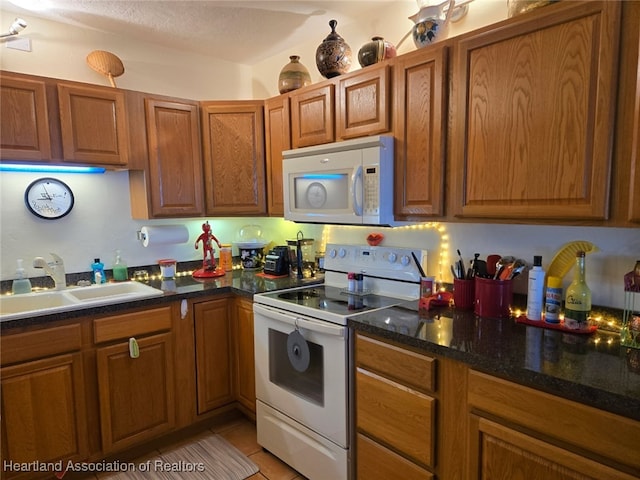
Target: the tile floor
pixel 241 433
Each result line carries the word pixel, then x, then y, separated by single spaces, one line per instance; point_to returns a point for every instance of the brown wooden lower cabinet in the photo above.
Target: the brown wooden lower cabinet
pixel 244 368
pixel 502 453
pixel 213 354
pixel 395 414
pixel 475 425
pixel 43 411
pixel 136 394
pixel 43 398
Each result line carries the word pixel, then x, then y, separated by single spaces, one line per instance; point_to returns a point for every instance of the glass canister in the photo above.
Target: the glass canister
pixel 226 258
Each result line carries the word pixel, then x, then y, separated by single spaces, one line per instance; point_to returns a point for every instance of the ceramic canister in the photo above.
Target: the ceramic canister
pixel 293 75
pixel 377 50
pixel 333 56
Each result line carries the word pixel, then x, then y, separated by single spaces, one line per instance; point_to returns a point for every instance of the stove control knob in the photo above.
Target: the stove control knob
pixel 405 260
pixel 342 253
pixel 393 257
pixel 333 253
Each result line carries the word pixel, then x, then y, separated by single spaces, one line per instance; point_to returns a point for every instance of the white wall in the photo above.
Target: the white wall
pixel 60 51
pixel 100 223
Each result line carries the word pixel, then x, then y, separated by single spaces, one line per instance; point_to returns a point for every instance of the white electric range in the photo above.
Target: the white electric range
pixel 302 355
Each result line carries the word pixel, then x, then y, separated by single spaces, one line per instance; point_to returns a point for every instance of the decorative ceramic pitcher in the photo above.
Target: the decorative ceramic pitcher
pixel 431 23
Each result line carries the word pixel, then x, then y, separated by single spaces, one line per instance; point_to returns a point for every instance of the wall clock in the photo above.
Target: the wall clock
pixel 49 198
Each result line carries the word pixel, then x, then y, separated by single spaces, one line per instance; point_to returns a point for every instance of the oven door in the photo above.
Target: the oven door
pixel 305 377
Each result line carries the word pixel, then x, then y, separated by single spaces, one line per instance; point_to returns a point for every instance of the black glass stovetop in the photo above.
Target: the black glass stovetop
pixel 332 299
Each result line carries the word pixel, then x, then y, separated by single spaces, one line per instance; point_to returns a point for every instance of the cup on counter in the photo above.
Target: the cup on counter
pixel 493 298
pixel 167 267
pixel 427 286
pixel 464 292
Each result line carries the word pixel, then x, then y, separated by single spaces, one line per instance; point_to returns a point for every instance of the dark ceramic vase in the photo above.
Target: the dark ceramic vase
pixel 377 50
pixel 293 75
pixel 333 56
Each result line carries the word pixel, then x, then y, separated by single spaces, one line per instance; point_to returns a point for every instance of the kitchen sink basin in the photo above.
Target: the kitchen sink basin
pixel 111 291
pixel 76 298
pixel 11 304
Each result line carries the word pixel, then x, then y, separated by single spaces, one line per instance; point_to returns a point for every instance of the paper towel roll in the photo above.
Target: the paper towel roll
pixel 164 234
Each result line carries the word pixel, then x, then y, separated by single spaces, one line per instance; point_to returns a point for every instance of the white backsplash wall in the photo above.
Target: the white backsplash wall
pixel 619 248
pixel 100 223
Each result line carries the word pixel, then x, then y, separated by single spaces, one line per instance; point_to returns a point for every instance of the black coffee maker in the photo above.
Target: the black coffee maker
pixel 277 261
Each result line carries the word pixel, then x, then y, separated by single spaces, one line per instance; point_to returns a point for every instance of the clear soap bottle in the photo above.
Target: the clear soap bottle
pixel 21 284
pixel 120 273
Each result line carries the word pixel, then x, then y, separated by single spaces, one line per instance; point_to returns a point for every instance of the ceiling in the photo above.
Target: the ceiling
pixel 242 31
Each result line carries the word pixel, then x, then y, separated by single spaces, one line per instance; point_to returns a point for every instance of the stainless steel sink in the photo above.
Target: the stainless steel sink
pixel 45 303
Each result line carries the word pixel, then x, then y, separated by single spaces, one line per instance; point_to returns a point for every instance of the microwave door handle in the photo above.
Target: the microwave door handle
pixel 357 175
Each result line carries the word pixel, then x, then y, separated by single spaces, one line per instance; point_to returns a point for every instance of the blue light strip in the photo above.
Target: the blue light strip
pixel 45 168
pixel 323 176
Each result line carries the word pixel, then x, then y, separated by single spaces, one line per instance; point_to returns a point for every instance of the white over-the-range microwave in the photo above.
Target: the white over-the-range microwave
pixel 349 182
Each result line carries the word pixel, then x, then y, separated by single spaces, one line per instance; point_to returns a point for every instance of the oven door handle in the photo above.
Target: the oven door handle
pixel 325 328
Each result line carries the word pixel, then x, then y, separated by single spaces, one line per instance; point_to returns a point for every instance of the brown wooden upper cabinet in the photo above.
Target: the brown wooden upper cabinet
pixel 24 119
pixel 420 122
pixel 634 185
pixel 533 114
pixel 363 102
pixel 170 185
pixel 277 139
pixel 313 116
pixel 93 123
pixel 234 163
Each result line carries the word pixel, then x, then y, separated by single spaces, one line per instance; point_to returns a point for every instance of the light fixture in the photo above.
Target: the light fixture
pixel 45 168
pixel 16 27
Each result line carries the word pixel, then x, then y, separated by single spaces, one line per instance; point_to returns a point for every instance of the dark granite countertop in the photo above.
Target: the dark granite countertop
pixel 591 369
pixel 184 286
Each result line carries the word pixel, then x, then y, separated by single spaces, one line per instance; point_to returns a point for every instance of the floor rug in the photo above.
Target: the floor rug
pixel 209 457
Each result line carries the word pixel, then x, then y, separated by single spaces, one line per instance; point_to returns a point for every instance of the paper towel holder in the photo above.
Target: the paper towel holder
pixel 141 236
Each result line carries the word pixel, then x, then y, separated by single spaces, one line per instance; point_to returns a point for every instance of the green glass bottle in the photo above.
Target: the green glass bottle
pixel 577 305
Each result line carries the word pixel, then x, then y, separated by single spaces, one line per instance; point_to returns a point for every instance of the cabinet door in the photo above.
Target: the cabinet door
pixel 312 116
pixel 43 410
pixel 278 139
pixel 213 354
pixel 136 394
pixel 533 121
pixel 420 131
pixel 500 453
pixel 234 165
pixel 245 379
pixel 363 103
pixel 175 161
pixel 93 125
pixel 24 122
pixel 634 186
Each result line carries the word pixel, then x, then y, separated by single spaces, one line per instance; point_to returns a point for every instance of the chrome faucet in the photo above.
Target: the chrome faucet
pixel 54 269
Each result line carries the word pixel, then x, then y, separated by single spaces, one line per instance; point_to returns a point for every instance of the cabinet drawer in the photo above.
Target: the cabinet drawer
pixel 40 343
pixel 132 324
pixel 377 462
pixel 410 368
pixel 395 415
pixel 605 433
